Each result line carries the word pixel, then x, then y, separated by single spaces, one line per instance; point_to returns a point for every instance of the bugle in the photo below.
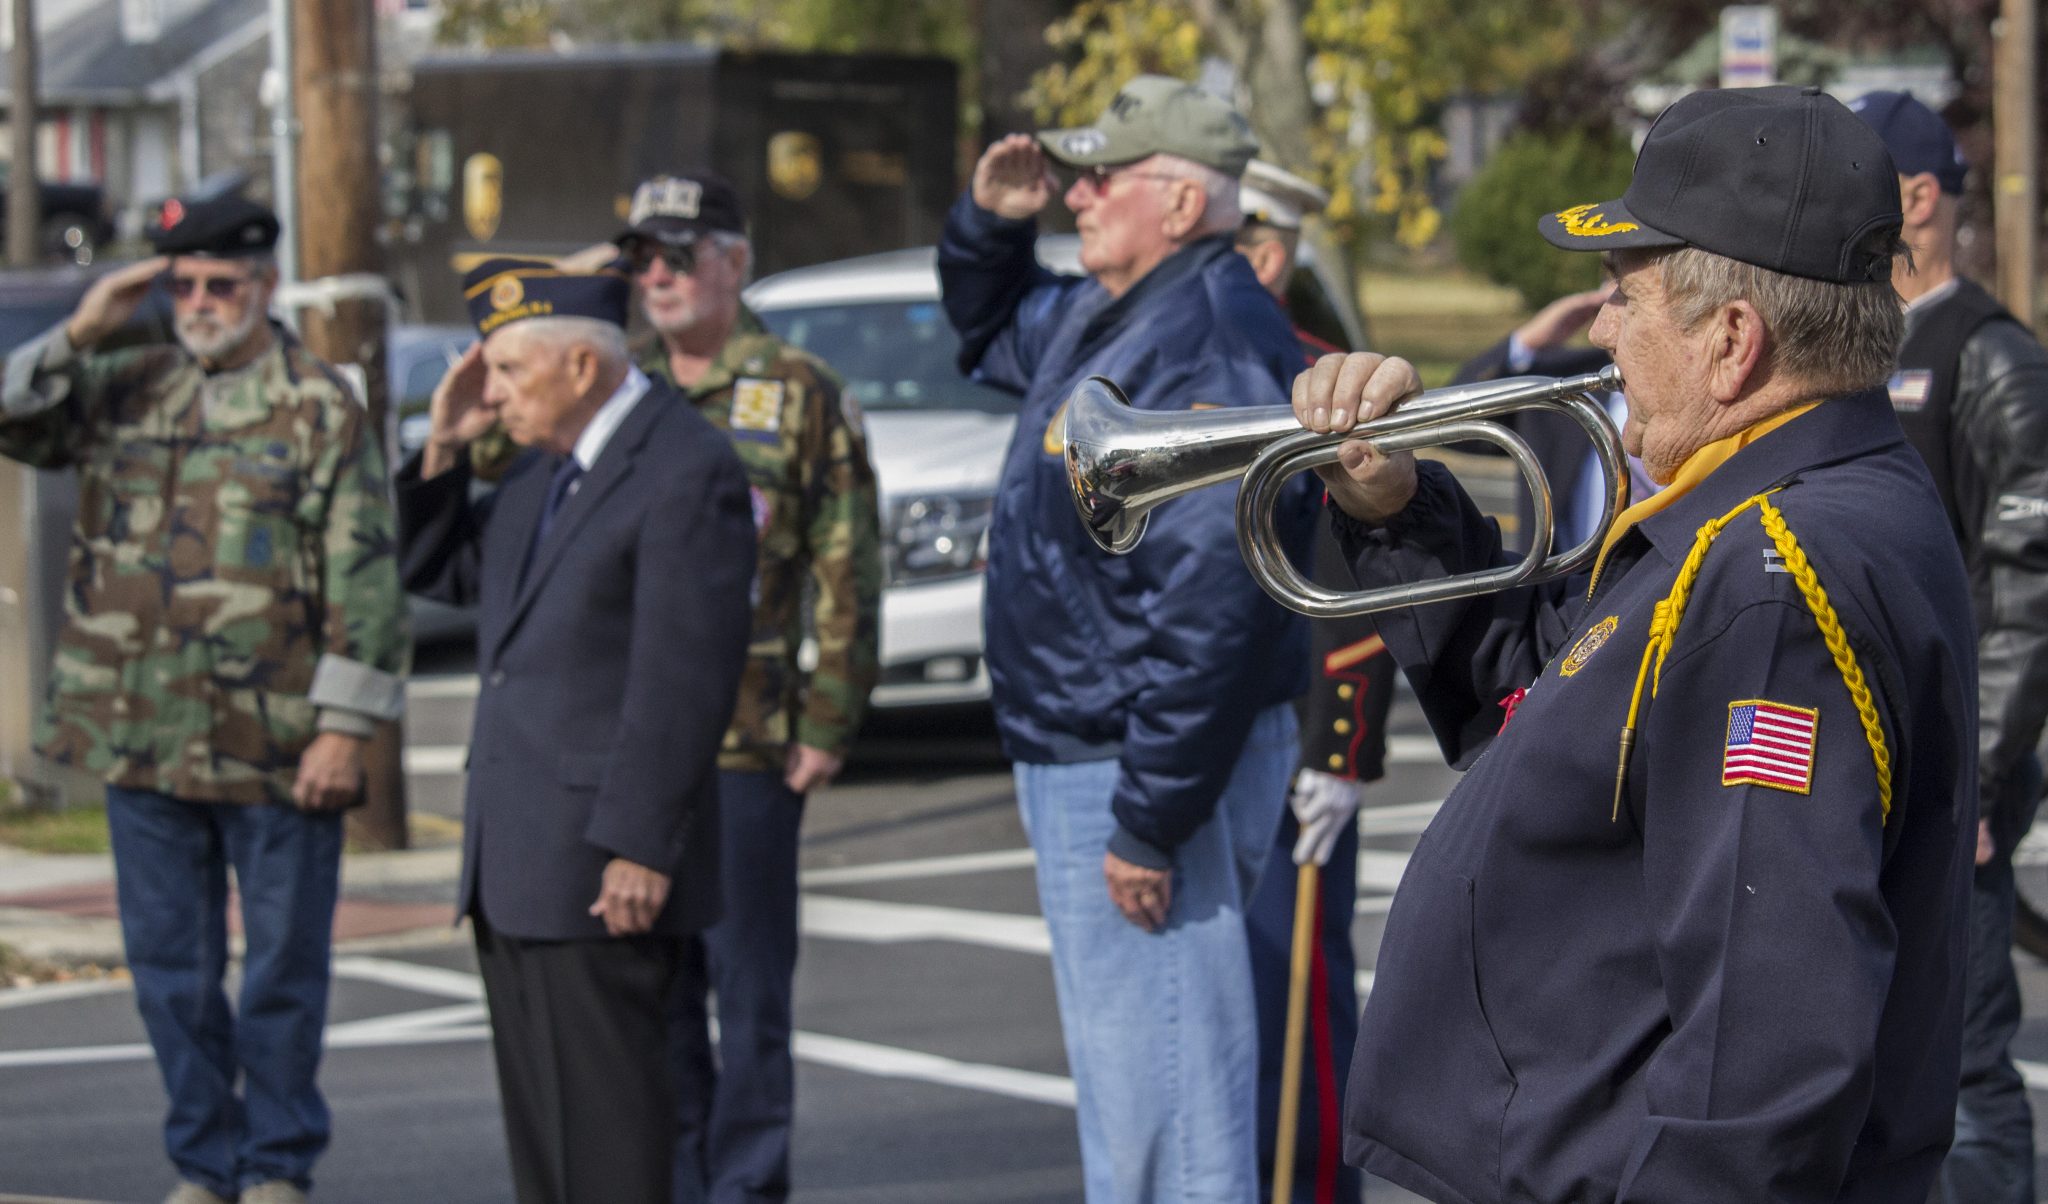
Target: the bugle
pixel 1123 462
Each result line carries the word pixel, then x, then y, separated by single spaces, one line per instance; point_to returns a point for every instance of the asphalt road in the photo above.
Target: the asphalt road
pixel 930 1066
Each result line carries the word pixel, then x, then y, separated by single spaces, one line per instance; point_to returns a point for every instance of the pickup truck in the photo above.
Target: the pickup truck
pixel 74 222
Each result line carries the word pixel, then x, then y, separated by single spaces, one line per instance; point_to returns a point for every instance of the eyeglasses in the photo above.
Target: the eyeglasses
pixel 1098 177
pixel 221 288
pixel 681 259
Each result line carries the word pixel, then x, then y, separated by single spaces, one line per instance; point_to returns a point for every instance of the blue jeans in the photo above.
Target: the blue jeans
pixel 733 1147
pixel 1161 1031
pixel 171 859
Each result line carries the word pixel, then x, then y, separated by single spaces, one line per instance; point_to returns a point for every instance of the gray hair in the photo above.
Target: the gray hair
pixel 1833 338
pixel 564 332
pixel 1220 213
pixel 726 240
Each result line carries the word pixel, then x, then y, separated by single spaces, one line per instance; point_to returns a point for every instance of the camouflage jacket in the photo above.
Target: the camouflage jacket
pixel 814 506
pixel 233 584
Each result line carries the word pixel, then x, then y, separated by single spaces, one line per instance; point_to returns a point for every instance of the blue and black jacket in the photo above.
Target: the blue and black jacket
pixel 1159 658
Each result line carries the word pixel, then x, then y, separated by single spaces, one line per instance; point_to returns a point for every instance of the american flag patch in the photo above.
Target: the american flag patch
pixel 1909 388
pixel 1770 744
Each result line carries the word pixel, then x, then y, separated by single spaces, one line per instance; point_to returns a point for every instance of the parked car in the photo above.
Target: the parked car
pixel 937 441
pixel 74 222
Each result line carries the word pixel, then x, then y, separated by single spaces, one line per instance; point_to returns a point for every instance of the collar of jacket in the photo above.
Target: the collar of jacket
pixel 744 341
pixel 1188 261
pixel 1841 428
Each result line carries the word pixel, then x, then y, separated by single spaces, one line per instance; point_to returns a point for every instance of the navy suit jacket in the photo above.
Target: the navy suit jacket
pixel 608 675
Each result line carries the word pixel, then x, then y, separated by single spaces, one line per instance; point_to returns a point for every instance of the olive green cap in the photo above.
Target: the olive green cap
pixel 1156 115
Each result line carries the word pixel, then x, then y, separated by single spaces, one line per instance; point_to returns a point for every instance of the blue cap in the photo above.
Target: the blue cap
pixel 1917 137
pixel 502 291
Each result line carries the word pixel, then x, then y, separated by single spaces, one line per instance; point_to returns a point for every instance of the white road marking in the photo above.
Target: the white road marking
pixel 833 918
pixel 1380 870
pixel 923 867
pixel 451 686
pixel 1373 905
pixel 431 760
pixel 1401 819
pixel 2035 1074
pixel 51 992
pixel 1413 750
pixel 889 1062
pixel 409 976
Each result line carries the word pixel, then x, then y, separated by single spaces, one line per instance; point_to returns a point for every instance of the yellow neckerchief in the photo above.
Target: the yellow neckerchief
pixel 1697 467
pixel 1665 619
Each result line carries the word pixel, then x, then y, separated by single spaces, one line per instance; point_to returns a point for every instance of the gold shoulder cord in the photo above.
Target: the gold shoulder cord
pixel 1664 633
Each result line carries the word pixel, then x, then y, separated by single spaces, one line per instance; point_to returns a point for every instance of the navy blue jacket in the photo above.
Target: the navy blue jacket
pixel 1159 658
pixel 1727 992
pixel 609 671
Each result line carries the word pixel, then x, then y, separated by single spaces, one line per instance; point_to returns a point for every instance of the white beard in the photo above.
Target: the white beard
pixel 210 341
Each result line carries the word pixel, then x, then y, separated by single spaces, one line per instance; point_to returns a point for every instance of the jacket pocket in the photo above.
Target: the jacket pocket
pixel 1428 1081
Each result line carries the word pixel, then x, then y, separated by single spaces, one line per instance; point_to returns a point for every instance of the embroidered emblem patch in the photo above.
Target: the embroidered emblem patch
pixel 1586 221
pixel 756 404
pixel 1079 144
pixel 1588 644
pixel 1770 744
pixel 1909 389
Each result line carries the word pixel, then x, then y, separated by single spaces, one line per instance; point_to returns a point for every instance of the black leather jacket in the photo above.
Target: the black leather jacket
pixel 1999 454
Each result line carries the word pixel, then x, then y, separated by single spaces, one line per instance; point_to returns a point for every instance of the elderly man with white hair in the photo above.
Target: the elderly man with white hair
pixel 611 573
pixel 1143 698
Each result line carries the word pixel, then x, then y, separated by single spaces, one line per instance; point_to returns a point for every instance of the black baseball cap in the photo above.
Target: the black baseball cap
pixel 1784 178
pixel 681 208
pixel 1917 137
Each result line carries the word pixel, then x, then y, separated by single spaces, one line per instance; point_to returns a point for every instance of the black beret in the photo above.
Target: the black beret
pixel 505 290
pixel 225 227
pixel 682 207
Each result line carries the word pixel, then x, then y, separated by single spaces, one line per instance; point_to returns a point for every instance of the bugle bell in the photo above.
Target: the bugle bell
pixel 1123 462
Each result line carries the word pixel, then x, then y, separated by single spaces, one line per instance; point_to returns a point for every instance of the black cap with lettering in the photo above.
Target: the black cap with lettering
pixel 1783 178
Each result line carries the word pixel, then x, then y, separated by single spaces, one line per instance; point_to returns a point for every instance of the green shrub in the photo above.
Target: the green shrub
pixel 1494 223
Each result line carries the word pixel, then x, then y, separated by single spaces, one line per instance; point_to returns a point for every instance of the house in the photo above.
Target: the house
pixel 147 97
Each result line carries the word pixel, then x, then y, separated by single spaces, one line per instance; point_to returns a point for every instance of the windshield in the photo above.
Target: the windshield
pixel 894 355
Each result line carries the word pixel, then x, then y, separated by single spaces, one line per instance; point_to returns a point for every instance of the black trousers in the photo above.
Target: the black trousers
pixel 581 1040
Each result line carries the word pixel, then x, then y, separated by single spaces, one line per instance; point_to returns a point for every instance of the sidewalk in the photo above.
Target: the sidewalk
pixel 60 907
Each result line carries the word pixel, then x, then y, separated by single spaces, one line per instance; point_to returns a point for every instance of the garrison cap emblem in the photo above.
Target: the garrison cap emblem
pixel 507 292
pixel 483 195
pixel 1588 644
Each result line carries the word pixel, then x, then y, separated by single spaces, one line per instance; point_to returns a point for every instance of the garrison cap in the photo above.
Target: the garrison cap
pixel 502 291
pixel 1155 115
pixel 223 227
pixel 1784 178
pixel 1274 196
pixel 681 208
pixel 1917 137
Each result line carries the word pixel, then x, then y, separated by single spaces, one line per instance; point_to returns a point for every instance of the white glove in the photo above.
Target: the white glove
pixel 1323 805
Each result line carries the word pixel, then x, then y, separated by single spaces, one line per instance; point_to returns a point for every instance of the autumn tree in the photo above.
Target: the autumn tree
pixel 1329 85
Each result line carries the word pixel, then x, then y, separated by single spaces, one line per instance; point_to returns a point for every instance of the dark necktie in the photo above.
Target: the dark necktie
pixel 560 486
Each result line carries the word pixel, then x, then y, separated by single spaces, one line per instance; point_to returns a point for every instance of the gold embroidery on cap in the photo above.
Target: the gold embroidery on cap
pixel 507 292
pixel 1585 221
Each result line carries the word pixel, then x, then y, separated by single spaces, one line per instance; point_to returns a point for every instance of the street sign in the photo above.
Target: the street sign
pixel 1749 46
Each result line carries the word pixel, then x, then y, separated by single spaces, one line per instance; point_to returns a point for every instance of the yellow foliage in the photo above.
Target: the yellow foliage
pixel 1389 64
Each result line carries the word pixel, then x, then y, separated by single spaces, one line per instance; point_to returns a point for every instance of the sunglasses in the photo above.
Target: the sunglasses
pixel 221 288
pixel 1099 176
pixel 681 260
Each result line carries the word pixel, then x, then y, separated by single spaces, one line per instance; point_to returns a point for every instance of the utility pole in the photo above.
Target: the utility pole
pixel 334 97
pixel 24 204
pixel 2015 188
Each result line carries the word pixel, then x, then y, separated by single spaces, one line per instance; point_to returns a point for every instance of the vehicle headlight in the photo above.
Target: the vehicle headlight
pixel 935 536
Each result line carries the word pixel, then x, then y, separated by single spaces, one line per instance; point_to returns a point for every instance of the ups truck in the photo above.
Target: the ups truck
pixel 538 153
